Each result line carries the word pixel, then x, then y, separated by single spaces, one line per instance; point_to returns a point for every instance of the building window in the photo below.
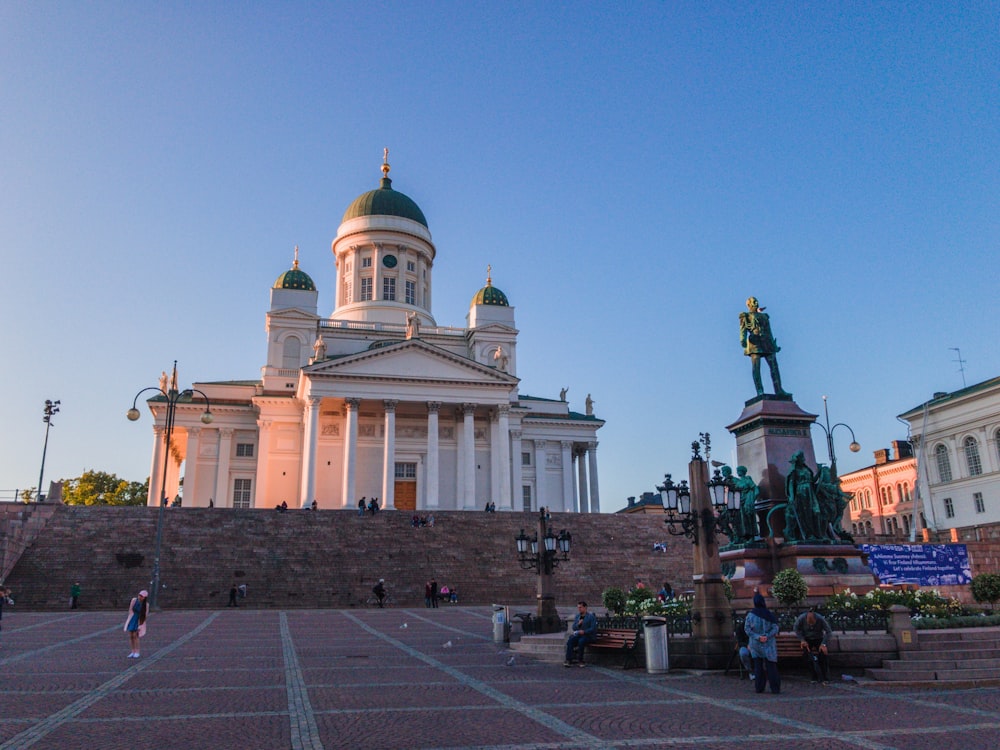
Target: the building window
pixel 348 292
pixel 366 289
pixel 366 262
pixel 291 353
pixel 406 470
pixel 241 493
pixel 943 463
pixel 388 288
pixel 411 266
pixel 526 497
pixel 347 267
pixel 977 497
pixel 526 458
pixel 244 450
pixel 411 292
pixel 949 508
pixel 972 457
pixel 906 492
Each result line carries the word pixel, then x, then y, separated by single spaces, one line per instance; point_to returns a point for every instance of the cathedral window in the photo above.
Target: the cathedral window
pixel 348 292
pixel 241 493
pixel 388 288
pixel 406 470
pixel 949 508
pixel 244 450
pixel 526 497
pixel 366 262
pixel 977 497
pixel 411 266
pixel 291 351
pixel 411 292
pixel 366 289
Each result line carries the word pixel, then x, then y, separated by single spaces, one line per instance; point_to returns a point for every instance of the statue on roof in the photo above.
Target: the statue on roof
pixel 562 393
pixel 319 349
pixel 412 325
pixel 500 358
pixel 590 406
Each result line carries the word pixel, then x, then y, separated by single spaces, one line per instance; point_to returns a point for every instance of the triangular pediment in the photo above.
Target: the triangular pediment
pixel 293 313
pixel 411 360
pixel 493 328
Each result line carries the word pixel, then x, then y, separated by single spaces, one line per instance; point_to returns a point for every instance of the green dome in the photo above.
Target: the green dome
pixel 294 278
pixel 384 202
pixel 490 295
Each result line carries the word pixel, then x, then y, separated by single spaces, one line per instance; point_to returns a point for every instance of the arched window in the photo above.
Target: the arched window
pixel 972 456
pixel 899 493
pixel 906 492
pixel 943 463
pixel 906 525
pixel 291 351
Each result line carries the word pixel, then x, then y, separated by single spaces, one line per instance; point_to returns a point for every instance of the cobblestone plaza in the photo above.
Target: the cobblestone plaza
pixel 416 678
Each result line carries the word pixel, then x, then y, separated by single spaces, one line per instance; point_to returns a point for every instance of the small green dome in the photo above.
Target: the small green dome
pixel 384 202
pixel 295 278
pixel 489 294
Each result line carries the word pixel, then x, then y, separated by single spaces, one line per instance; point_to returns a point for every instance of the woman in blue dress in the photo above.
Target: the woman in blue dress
pixel 135 623
pixel 762 629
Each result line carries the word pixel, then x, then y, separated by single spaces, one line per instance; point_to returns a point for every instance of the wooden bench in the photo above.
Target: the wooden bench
pixel 788 647
pixel 624 640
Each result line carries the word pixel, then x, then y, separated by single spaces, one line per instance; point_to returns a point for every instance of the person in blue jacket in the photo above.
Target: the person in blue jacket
pixel 762 629
pixel 584 631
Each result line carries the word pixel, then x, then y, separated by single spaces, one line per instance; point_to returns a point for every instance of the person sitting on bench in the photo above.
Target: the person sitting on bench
pixel 813 632
pixel 584 632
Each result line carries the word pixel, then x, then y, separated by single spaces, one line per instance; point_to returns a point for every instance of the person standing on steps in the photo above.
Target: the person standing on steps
pixel 135 623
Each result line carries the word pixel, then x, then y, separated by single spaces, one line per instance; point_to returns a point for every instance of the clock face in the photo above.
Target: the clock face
pixel 389 261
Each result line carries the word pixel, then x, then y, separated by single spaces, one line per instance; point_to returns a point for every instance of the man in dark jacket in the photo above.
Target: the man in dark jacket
pixel 584 631
pixel 814 633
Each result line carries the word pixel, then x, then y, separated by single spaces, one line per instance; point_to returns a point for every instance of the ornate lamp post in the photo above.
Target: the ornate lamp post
pixel 854 447
pixel 51 408
pixel 173 397
pixel 701 511
pixel 541 553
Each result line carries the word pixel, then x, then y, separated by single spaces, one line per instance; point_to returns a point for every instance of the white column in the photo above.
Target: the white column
pixel 595 490
pixel 389 453
pixel 503 455
pixel 517 479
pixel 222 472
pixel 307 485
pixel 433 483
pixel 350 451
pixel 469 453
pixel 263 452
pixel 581 472
pixel 156 467
pixel 541 500
pixel 191 468
pixel 567 474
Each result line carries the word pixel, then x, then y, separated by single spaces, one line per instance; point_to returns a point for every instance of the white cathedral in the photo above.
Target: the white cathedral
pixel 378 400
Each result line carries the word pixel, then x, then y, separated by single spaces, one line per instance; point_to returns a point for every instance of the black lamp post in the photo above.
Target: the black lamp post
pixel 51 408
pixel 854 447
pixel 709 521
pixel 173 397
pixel 541 553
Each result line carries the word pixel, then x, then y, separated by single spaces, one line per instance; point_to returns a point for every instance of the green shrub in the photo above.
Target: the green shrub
pixel 789 587
pixel 986 588
pixel 614 600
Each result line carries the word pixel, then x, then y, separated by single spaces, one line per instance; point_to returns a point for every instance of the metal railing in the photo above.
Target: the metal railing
pixel 843 621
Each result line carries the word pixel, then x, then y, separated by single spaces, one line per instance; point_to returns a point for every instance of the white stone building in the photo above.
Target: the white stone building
pixel 956 437
pixel 378 400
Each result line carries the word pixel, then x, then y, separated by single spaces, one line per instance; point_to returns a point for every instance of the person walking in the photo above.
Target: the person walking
pixel 584 631
pixel 814 633
pixel 762 629
pixel 232 595
pixel 74 595
pixel 135 622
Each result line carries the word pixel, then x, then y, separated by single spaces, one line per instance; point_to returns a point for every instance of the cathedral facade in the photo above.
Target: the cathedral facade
pixel 377 400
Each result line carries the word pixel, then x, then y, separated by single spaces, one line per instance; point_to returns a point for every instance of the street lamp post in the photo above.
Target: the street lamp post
pixel 854 447
pixel 540 553
pixel 51 408
pixel 173 397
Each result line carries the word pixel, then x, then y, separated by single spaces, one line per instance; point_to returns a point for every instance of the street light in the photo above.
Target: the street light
pixel 854 447
pixel 541 553
pixel 710 520
pixel 173 397
pixel 51 408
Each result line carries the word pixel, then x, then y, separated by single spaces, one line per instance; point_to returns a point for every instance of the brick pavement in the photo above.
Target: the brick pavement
pixel 324 679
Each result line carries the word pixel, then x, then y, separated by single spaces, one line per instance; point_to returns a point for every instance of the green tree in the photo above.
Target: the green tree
pixel 102 488
pixel 986 588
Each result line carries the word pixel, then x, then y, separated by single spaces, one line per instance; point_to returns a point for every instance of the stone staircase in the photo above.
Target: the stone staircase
pixel 20 523
pixel 327 558
pixel 550 647
pixel 960 656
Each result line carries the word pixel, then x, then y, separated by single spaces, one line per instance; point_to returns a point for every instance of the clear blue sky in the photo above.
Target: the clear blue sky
pixel 632 171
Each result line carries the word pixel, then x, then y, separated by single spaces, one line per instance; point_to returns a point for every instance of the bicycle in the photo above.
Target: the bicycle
pixel 372 601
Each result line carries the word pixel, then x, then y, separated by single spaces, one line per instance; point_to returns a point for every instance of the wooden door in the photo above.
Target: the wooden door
pixel 405 495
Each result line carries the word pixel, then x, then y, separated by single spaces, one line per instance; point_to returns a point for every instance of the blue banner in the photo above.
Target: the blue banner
pixel 922 564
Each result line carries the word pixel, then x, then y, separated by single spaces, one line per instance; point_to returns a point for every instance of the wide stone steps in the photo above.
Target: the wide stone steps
pixel 964 656
pixel 550 647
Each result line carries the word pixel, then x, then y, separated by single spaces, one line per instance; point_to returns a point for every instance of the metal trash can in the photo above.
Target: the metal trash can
pixel 500 623
pixel 654 633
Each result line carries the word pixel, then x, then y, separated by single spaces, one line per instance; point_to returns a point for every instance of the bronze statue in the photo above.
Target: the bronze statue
pixel 832 502
pixel 757 341
pixel 749 492
pixel 802 514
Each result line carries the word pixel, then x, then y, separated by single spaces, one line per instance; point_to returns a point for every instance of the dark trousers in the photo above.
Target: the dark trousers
pixel 576 644
pixel 434 600
pixel 74 600
pixel 818 662
pixel 765 671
